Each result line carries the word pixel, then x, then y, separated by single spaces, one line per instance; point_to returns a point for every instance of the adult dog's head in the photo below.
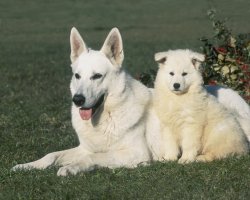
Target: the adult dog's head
pixel 94 71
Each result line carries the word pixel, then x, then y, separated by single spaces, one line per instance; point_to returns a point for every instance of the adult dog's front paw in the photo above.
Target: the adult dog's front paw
pixel 22 167
pixel 73 169
pixel 68 170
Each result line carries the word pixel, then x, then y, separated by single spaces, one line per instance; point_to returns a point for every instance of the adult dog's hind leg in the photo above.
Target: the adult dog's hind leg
pixel 60 158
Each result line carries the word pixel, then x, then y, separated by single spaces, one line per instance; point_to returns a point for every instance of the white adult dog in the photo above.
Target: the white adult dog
pixel 185 118
pixel 108 113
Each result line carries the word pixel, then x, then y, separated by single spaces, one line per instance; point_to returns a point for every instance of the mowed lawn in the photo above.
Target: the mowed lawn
pixel 35 99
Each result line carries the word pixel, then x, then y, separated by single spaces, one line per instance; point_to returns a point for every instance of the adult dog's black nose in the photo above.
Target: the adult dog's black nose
pixel 78 99
pixel 177 86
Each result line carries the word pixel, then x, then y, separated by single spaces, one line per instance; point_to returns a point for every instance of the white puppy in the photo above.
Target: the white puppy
pixel 191 122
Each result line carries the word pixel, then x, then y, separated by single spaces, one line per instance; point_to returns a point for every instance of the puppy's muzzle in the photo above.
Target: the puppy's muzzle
pixel 177 86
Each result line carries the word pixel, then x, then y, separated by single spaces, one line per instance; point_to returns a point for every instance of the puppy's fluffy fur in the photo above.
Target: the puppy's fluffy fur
pixel 193 123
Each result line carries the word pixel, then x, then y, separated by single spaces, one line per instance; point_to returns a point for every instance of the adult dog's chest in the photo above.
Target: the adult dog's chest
pixel 98 136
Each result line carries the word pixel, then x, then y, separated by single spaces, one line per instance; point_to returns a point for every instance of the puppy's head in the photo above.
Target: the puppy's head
pixel 179 69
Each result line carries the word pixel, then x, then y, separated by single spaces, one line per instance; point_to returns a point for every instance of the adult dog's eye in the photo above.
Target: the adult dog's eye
pixel 77 76
pixel 184 73
pixel 171 73
pixel 96 76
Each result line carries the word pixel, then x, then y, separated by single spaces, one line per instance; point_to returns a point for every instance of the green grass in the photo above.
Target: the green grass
pixel 35 98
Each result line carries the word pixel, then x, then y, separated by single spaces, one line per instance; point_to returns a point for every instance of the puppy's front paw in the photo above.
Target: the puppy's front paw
pixel 169 157
pixel 204 158
pixel 183 160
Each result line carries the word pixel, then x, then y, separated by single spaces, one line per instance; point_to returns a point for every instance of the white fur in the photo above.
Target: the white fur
pixel 189 122
pixel 235 103
pixel 115 135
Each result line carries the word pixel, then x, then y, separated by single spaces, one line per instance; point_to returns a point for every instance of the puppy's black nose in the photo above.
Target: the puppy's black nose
pixel 78 99
pixel 177 86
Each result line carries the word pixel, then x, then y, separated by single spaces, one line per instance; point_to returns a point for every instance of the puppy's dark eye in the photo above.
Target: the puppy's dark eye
pixel 96 76
pixel 184 73
pixel 77 76
pixel 171 73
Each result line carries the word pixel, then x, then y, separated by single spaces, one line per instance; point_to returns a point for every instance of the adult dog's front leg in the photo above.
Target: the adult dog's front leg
pixel 60 158
pixel 122 158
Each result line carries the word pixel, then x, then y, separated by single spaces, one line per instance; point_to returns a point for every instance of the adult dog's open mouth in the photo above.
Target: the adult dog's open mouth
pixel 87 113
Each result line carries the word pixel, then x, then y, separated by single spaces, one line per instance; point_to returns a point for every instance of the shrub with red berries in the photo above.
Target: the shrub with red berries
pixel 227 59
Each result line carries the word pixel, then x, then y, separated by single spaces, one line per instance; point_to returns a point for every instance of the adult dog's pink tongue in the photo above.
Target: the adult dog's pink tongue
pixel 85 114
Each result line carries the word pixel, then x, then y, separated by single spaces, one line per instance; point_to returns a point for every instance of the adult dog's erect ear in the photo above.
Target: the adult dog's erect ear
pixel 197 59
pixel 161 57
pixel 113 47
pixel 77 44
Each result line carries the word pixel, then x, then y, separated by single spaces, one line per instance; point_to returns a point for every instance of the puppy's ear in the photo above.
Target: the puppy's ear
pixel 197 59
pixel 161 57
pixel 113 47
pixel 77 44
